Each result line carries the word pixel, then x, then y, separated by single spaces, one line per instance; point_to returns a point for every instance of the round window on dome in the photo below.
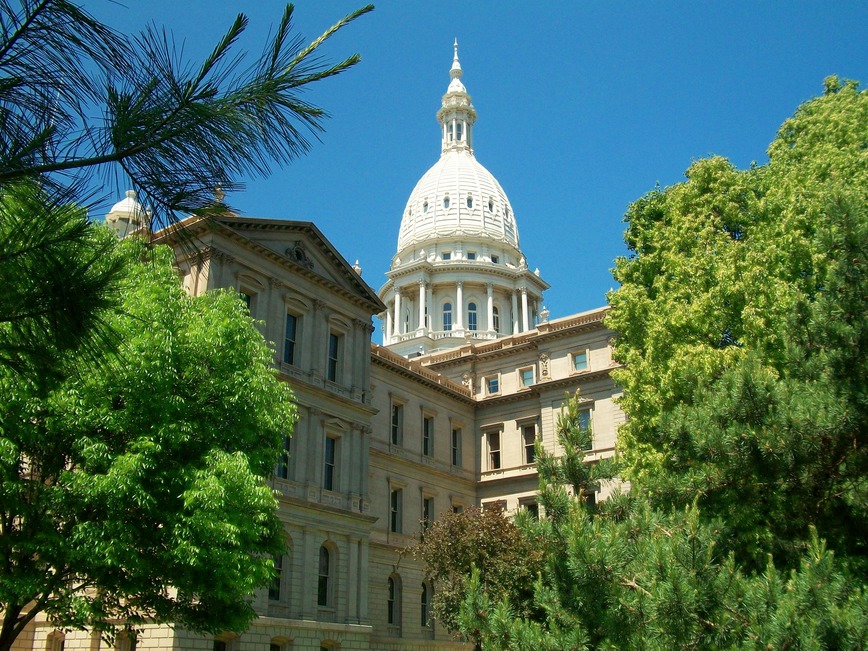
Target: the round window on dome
pixel 446 201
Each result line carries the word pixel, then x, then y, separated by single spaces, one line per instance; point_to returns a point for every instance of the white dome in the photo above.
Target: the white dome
pixel 129 205
pixel 457 197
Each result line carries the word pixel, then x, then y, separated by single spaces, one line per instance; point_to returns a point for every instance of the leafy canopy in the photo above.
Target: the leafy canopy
pixel 134 488
pixel 742 321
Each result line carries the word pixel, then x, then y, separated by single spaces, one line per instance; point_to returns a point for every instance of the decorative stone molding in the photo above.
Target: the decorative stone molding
pixel 298 254
pixel 544 366
pixel 469 381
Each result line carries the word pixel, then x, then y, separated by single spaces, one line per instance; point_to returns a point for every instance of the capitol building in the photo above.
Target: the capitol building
pixel 440 415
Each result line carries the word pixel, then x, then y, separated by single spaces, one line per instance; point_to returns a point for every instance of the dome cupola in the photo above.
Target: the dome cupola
pixel 127 215
pixel 458 272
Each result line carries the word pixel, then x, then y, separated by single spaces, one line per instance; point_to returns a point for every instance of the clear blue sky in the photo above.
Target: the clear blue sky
pixel 583 107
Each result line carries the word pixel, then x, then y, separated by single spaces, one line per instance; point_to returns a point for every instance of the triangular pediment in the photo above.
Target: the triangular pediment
pixel 302 246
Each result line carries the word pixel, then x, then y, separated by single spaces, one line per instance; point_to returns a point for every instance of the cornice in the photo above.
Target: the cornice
pixel 482 267
pixel 382 356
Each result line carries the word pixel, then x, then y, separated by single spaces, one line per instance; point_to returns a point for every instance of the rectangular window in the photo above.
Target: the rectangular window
pixel 427 511
pixel 585 425
pixel 247 298
pixel 281 470
pixel 328 479
pixel 526 376
pixel 334 350
pixel 472 323
pixel 471 255
pixel 324 588
pixel 397 436
pixel 580 361
pixel 395 510
pixel 456 446
pixel 492 385
pixel 274 586
pixel 446 255
pixel 219 645
pixel 532 508
pixel 493 450
pixel 458 508
pixel 290 339
pixel 495 259
pixel 428 436
pixel 529 435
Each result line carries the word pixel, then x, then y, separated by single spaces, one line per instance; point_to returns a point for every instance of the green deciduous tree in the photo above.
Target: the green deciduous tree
pixel 133 489
pixel 742 317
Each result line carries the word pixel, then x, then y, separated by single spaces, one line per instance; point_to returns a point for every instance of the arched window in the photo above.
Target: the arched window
pixel 495 314
pixel 324 584
pixel 471 316
pixel 446 201
pixel 447 316
pixel 425 603
pixel 393 602
pixel 470 201
pixel 459 130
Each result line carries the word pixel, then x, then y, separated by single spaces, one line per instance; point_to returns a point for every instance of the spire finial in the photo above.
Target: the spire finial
pixel 455 71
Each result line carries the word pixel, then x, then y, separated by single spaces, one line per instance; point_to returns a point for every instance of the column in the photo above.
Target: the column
pixel 310 560
pixel 524 315
pixel 514 314
pixel 387 335
pixel 353 581
pixel 396 323
pixel 489 288
pixel 422 296
pixel 429 301
pixel 459 306
pixel 361 353
pixel 275 322
pixel 363 580
pixel 311 447
pixel 319 340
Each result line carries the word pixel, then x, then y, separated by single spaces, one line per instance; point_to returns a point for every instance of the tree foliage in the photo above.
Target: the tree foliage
pixel 456 543
pixel 741 319
pixel 133 489
pixel 81 104
pixel 627 575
